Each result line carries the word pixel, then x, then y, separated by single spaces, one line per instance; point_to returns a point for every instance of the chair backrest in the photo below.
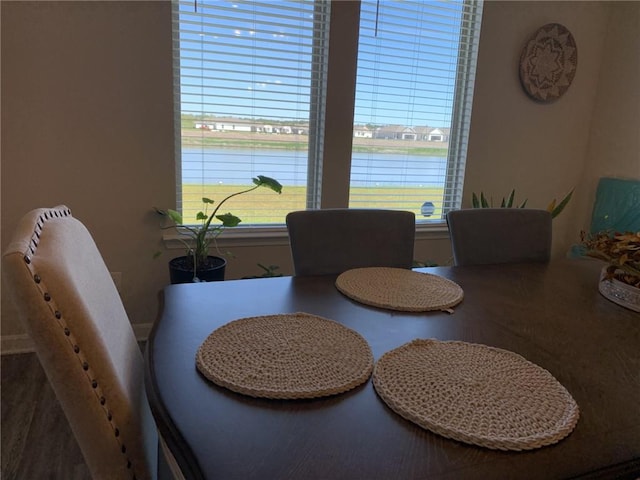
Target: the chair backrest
pixel 617 205
pixel 482 236
pixel 83 338
pixel 332 241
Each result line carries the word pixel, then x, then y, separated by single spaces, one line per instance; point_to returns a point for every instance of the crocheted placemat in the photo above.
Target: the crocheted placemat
pixel 285 356
pixel 475 394
pixel 399 289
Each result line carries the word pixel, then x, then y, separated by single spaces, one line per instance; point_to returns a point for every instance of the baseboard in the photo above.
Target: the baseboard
pixel 12 344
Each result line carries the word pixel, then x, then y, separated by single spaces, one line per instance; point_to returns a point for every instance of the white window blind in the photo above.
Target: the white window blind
pixel 251 81
pixel 416 70
pixel 250 89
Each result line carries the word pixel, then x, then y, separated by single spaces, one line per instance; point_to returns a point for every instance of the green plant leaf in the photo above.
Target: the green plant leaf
pixel 228 220
pixel 474 200
pixel 511 197
pixel 197 238
pixel 483 201
pixel 270 271
pixel 503 203
pixel 551 205
pixel 426 263
pixel 558 209
pixel 175 216
pixel 273 184
pixel 524 204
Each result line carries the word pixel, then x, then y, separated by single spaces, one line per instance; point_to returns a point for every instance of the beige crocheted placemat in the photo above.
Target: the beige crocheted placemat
pixel 286 356
pixel 476 394
pixel 399 289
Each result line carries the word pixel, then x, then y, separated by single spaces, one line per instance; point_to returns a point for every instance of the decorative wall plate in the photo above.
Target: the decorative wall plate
pixel 548 63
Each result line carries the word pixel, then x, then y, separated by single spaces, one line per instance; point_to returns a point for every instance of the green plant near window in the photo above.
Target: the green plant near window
pixel 426 263
pixel 509 202
pixel 198 237
pixel 267 272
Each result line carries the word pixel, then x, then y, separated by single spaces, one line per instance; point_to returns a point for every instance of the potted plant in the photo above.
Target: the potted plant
pixel 620 278
pixel 554 208
pixel 267 272
pixel 197 265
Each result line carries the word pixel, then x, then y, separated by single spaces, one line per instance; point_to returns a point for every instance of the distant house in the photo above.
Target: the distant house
pixel 284 129
pixel 431 134
pixel 422 133
pixel 232 125
pixel 361 131
pixel 388 132
pixel 438 135
pixel 395 132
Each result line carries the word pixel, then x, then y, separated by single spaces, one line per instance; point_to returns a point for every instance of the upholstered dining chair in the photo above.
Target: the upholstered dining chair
pixel 481 236
pixel 69 304
pixel 332 241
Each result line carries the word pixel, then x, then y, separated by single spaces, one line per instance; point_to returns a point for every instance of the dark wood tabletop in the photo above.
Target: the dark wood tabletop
pixel 550 314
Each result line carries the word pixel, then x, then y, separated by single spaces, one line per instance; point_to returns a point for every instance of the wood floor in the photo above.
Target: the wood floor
pixel 37 442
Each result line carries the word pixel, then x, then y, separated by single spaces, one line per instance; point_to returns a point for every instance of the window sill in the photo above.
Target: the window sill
pixel 277 235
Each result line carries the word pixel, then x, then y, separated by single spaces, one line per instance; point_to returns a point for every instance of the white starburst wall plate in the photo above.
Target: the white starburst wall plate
pixel 548 63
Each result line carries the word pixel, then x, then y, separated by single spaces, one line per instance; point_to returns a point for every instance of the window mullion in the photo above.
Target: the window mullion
pixel 341 84
pixel 317 109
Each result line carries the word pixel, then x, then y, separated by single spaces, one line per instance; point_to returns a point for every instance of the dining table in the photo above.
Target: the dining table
pixel 550 314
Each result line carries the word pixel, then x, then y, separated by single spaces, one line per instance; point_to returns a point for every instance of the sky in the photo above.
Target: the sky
pixel 255 60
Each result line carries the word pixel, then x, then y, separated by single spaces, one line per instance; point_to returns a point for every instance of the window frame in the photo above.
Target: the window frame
pixel 329 180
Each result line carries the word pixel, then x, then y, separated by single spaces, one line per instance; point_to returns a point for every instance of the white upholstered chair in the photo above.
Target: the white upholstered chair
pixel 332 241
pixel 84 340
pixel 481 236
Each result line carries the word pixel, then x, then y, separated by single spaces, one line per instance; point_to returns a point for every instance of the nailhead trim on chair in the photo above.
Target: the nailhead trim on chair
pixel 59 213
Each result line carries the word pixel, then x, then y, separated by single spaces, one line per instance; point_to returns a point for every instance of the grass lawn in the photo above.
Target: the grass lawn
pixel 264 206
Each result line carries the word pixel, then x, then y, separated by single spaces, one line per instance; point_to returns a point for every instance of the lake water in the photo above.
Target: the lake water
pixel 238 166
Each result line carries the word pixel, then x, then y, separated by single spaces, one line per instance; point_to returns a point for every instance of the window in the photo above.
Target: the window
pixel 378 120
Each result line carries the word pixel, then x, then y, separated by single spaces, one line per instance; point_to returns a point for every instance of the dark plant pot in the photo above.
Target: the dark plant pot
pixel 181 271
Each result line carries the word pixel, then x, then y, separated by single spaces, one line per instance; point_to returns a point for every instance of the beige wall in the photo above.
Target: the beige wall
pixel 614 139
pixel 545 150
pixel 515 142
pixel 87 121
